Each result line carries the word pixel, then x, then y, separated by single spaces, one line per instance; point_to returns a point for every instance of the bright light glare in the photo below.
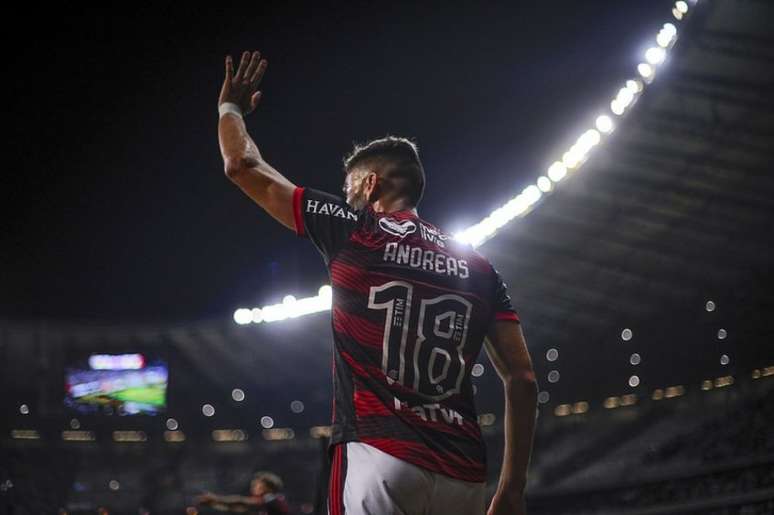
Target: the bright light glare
pixel 243 316
pixel 616 107
pixel 625 97
pixel 655 55
pixel 681 6
pixel 557 171
pixel 666 35
pixel 544 183
pixel 604 124
pixel 645 70
pixel 290 307
pixel 635 86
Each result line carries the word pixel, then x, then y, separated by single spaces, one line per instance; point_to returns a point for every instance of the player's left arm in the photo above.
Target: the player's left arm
pixel 228 502
pixel 243 163
pixel 508 352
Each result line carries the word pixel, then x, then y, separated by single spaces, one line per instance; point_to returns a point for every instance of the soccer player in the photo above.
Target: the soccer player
pixel 265 497
pixel 411 309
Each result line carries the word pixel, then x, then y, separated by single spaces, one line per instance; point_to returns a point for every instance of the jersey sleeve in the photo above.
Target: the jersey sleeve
pixel 325 219
pixel 502 307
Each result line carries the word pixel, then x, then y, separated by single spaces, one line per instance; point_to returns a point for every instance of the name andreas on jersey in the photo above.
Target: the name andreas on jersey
pixel 425 259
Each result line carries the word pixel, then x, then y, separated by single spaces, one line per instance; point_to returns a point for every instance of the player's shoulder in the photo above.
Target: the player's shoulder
pixel 317 202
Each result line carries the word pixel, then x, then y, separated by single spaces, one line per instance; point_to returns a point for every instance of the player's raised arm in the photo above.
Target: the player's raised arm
pixel 508 352
pixel 242 161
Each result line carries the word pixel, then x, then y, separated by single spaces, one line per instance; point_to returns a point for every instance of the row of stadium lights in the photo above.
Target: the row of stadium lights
pixel 552 354
pixel 477 371
pixel 522 204
pixel 635 359
pixel 173 434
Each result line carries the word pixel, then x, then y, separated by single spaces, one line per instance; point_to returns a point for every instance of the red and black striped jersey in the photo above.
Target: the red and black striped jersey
pixel 410 310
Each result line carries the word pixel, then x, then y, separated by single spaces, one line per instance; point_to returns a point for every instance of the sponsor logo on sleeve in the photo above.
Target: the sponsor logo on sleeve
pixel 329 208
pixel 433 235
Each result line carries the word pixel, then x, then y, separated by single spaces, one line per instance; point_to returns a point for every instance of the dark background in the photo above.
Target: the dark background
pixel 117 206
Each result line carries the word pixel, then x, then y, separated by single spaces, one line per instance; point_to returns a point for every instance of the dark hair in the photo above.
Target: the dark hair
pixel 397 160
pixel 270 479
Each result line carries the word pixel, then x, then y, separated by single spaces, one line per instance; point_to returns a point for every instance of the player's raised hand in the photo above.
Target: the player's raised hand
pixel 241 88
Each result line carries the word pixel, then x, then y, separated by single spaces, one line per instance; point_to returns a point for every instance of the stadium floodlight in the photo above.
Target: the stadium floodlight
pixel 677 14
pixel 590 139
pixel 655 55
pixel 645 70
pixel 243 316
pixel 667 35
pixel 604 124
pixel 616 107
pixel 557 171
pixel 635 86
pixel 290 307
pixel 325 292
pixel 532 194
pixel 544 184
pixel 681 6
pixel 572 158
pixel 625 97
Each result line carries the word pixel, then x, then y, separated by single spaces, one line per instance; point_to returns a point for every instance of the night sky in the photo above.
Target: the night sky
pixel 117 208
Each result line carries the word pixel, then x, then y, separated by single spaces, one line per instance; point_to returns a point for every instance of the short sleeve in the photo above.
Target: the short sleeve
pixel 502 307
pixel 325 219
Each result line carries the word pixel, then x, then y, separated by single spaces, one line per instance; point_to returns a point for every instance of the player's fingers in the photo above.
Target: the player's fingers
pixel 242 65
pixel 229 67
pixel 253 65
pixel 255 99
pixel 258 75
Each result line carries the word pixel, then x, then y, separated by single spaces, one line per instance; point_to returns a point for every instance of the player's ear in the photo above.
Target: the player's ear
pixel 372 187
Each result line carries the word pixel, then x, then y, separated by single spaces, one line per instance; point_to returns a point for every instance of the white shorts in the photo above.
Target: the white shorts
pixel 367 481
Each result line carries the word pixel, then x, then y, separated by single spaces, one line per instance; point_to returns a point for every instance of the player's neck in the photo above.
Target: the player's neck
pixel 390 206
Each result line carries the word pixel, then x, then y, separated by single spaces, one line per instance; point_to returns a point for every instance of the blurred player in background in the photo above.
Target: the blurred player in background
pixel 265 497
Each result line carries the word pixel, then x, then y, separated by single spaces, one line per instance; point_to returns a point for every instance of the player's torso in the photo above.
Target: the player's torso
pixel 415 303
